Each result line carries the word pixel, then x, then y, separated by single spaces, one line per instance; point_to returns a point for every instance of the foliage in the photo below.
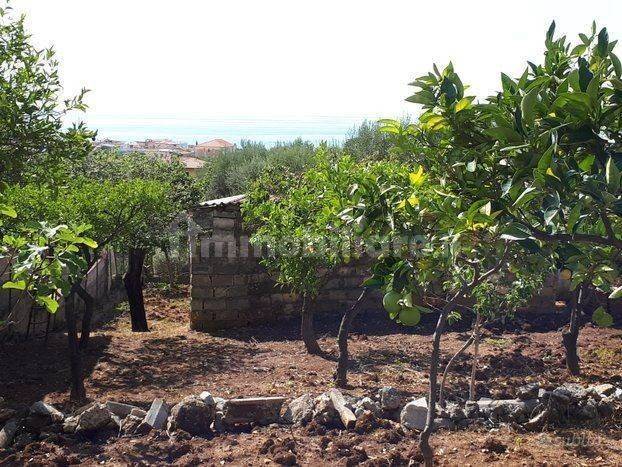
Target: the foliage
pixel 294 217
pixel 232 172
pixel 367 142
pixel 32 139
pixel 545 150
pixel 43 261
pixel 127 213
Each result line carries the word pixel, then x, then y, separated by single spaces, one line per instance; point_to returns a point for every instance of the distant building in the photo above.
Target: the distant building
pixel 192 164
pixel 212 147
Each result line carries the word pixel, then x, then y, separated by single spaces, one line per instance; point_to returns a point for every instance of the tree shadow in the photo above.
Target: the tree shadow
pixel 32 369
pixel 174 362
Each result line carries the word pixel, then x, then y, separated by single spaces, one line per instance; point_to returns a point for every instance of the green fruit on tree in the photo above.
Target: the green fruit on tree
pixel 409 316
pixel 391 302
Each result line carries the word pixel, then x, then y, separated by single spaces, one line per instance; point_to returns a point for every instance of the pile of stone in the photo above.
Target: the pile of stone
pixel 195 415
pixel 203 415
pixel 533 408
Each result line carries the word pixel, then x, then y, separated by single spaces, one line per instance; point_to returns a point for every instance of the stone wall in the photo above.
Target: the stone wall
pixel 230 288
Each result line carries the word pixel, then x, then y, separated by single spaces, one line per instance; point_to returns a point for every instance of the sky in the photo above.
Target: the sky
pixel 300 59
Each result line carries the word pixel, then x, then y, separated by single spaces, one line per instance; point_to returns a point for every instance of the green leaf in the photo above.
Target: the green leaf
pixel 17 285
pixel 573 217
pixel 602 46
pixel 502 133
pixel 617 293
pixel 471 166
pixel 463 103
pixel 526 196
pixel 612 175
pixel 516 231
pixel 7 211
pixel 617 66
pixel 601 318
pixel 87 241
pixel 586 164
pixel 49 303
pixel 528 106
pixel 546 159
pixel 550 33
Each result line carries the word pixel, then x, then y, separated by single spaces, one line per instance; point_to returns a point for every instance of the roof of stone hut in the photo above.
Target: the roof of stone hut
pixel 229 201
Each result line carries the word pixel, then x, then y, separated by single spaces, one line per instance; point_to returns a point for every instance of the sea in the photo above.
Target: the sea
pixel 197 129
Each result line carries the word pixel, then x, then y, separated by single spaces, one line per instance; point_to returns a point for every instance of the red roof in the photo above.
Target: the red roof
pixel 216 143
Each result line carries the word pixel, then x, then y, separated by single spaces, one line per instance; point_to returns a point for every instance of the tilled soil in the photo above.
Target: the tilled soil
pixel 171 362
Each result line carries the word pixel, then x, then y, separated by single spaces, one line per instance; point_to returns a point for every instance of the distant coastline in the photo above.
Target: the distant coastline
pixel 268 130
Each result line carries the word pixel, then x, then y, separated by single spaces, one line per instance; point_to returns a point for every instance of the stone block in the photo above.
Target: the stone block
pixel 223 223
pixel 202 292
pixel 414 414
pixel 259 410
pixel 157 414
pixel 240 303
pixel 120 409
pixel 240 279
pixel 200 280
pixel 196 304
pixel 216 304
pixel 222 280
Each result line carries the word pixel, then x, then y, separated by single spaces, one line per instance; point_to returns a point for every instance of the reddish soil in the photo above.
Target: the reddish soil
pixel 172 362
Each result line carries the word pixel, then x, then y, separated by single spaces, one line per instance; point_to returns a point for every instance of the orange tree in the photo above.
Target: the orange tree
pixel 546 148
pixel 437 250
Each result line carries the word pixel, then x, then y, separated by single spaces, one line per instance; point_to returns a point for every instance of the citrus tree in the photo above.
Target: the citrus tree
pixel 439 248
pixel 547 144
pixel 295 218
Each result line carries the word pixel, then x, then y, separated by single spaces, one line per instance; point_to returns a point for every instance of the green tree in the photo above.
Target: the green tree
pixel 294 217
pixel 232 172
pixel 158 192
pixel 33 140
pixel 548 143
pixel 34 146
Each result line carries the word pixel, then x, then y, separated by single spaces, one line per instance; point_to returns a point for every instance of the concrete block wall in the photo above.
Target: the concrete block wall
pixel 230 288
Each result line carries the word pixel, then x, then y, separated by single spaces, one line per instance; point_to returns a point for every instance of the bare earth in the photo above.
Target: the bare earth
pixel 172 362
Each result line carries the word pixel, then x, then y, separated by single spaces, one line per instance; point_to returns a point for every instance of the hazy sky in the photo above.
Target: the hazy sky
pixel 291 57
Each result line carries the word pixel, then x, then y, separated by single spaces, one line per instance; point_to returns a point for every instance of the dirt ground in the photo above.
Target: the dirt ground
pixel 172 362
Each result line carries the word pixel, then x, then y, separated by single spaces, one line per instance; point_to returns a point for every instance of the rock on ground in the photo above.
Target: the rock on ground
pixel 528 391
pixel 94 418
pixel 300 410
pixel 157 415
pixel 8 433
pixel 324 412
pixel 41 409
pixel 120 409
pixel 192 415
pixel 414 414
pixel 259 410
pixel 390 398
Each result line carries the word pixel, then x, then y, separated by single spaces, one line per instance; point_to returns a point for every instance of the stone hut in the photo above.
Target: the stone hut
pixel 230 288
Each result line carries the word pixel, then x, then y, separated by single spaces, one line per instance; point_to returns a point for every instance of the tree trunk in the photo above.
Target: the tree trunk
pixel 341 375
pixel 133 281
pixel 78 393
pixel 570 335
pixel 424 438
pixel 306 328
pixel 450 364
pixel 89 305
pixel 476 338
